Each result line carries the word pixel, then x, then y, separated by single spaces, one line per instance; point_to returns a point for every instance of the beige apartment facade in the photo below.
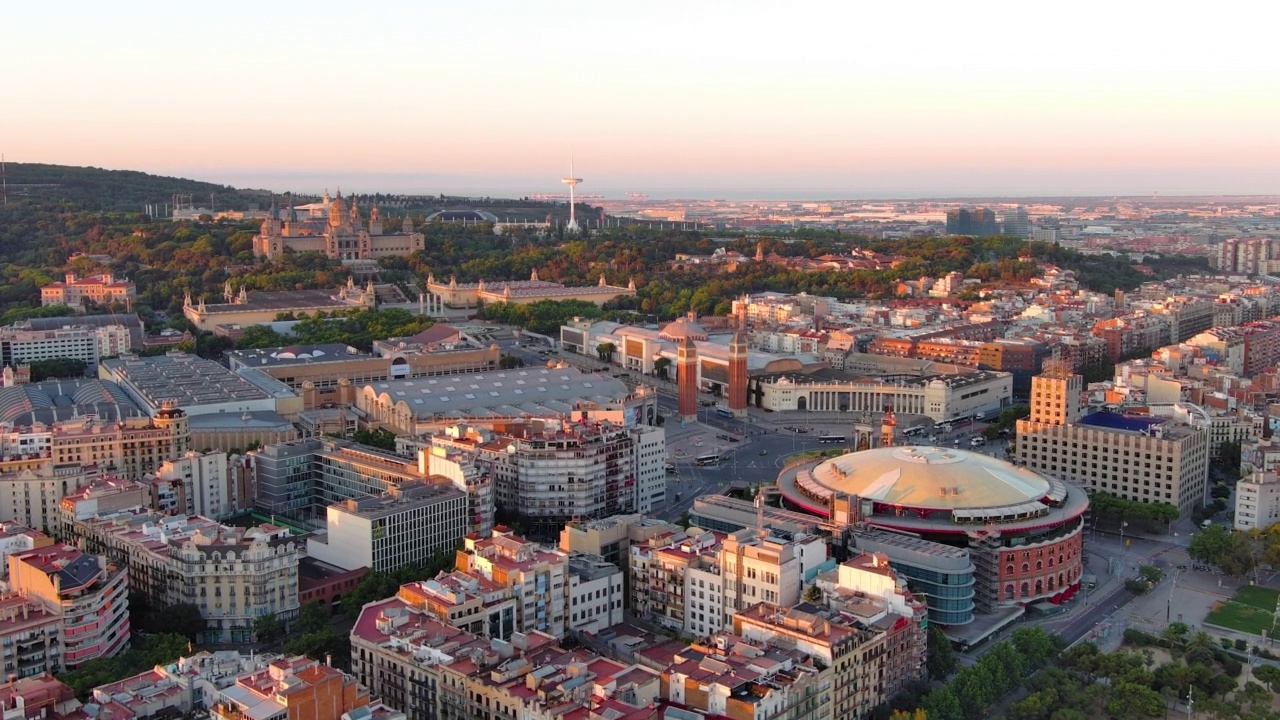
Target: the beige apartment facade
pixel 1140 458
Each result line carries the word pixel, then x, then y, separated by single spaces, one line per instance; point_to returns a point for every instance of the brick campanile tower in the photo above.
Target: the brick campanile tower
pixel 738 375
pixel 687 377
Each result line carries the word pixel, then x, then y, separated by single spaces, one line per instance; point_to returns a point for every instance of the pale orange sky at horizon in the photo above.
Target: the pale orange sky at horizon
pixel 664 98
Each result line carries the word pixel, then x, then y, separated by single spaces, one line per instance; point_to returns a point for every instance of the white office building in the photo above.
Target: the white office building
pixel 596 596
pixel 1258 501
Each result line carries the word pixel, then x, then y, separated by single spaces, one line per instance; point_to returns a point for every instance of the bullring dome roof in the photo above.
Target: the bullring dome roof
pixel 932 477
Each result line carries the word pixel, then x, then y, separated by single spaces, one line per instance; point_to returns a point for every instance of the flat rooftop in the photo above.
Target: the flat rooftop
pixel 287 300
pixel 186 379
pixel 534 391
pixel 1120 421
pixel 296 355
pixel 414 495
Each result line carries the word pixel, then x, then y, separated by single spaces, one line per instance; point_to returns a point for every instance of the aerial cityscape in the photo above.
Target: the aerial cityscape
pixel 551 362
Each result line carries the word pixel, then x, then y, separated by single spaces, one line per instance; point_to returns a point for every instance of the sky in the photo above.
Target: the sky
pixel 673 99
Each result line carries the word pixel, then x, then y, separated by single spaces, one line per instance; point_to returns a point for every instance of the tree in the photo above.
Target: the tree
pixel 509 362
pixel 1151 573
pixel 941 658
pixel 1130 701
pixel 605 351
pixel 1210 545
pixel 180 619
pixel 56 368
pixel 1176 632
pixel 1229 458
pixel 1035 645
pixel 942 704
pixel 267 628
pixel 1269 675
pixel 154 650
pixel 661 367
pixel 381 438
pixel 312 617
pixel 813 594
pixel 326 642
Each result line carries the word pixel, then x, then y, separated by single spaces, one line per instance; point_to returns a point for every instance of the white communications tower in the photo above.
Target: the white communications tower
pixel 571 182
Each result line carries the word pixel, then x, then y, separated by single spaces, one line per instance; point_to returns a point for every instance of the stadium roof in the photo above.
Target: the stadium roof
pixel 931 477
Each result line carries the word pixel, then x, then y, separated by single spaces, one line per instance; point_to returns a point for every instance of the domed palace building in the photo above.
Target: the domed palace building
pixel 969 531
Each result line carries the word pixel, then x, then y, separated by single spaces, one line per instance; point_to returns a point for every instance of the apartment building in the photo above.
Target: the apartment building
pixel 185 685
pixel 293 688
pixel 403 654
pixel 1133 334
pixel 467 601
pixel 30 637
pixel 15 537
pixel 40 696
pixel 1138 457
pixel 696 584
pixel 1187 316
pixel 537 577
pixel 556 472
pixel 735 678
pixel 865 663
pixel 596 596
pixel 406 526
pixel 104 496
pixel 115 440
pixel 233 574
pixel 31 496
pixel 1258 501
pixel 89 595
pixel 205 484
pixel 1223 346
pixel 454 457
pixel 20 344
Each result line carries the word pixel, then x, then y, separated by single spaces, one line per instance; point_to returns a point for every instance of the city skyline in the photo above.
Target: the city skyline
pixel 713 101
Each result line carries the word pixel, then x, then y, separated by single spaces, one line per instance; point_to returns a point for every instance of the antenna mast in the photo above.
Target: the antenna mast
pixel 4 181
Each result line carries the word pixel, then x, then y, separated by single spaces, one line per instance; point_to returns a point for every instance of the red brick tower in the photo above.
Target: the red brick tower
pixel 687 377
pixel 738 375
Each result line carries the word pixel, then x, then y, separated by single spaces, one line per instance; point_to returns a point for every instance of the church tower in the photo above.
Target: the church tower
pixel 738 376
pixel 375 221
pixel 687 379
pixel 335 211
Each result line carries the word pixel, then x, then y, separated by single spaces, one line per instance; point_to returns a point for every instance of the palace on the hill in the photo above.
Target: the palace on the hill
pixel 334 228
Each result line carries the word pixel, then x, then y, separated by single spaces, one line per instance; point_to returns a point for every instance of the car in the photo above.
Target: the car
pixel 764 452
pixel 957 443
pixel 677 496
pixel 732 439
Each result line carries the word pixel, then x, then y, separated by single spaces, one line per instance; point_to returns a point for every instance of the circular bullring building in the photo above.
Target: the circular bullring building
pixel 970 531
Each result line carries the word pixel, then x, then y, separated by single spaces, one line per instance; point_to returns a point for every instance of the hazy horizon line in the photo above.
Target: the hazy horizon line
pixel 515 187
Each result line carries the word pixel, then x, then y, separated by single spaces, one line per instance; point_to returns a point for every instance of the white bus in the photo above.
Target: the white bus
pixel 708 459
pixel 831 439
